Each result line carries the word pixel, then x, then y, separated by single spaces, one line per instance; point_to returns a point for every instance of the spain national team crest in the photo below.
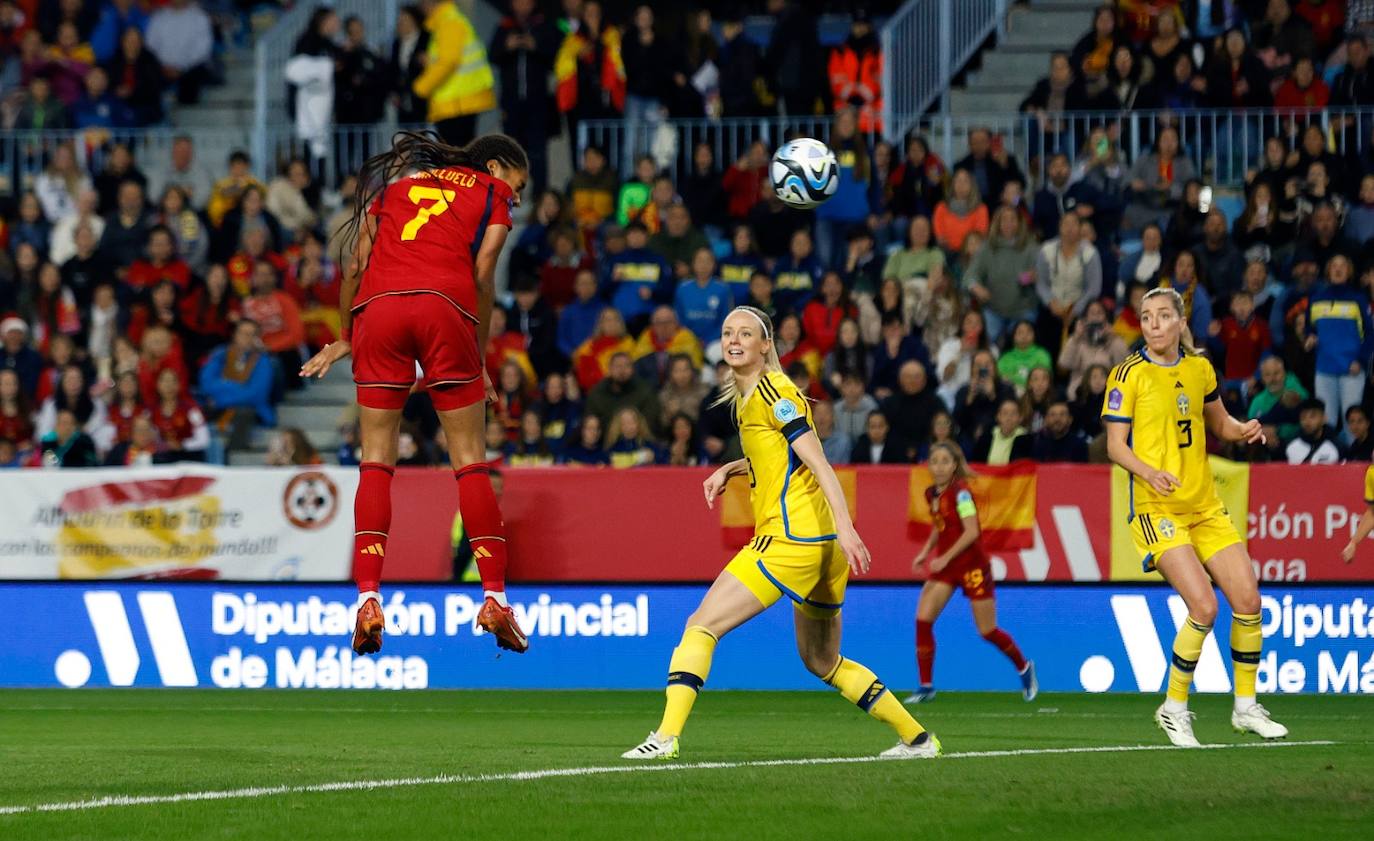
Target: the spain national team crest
pixel 1166 526
pixel 1183 405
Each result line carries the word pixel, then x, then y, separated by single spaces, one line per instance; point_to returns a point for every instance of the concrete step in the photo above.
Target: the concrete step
pixel 972 102
pixel 1024 66
pixel 1068 24
pixel 1062 5
pixel 216 118
pixel 337 392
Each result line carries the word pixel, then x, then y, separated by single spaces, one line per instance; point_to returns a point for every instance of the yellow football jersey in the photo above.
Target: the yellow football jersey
pixel 1163 404
pixel 1369 485
pixel 786 498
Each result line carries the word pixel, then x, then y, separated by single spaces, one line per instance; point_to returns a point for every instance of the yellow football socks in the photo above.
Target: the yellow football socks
pixel 859 685
pixel 1187 649
pixel 687 673
pixel 1247 639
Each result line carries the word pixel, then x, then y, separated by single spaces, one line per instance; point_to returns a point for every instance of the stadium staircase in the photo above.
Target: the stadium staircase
pixel 1011 68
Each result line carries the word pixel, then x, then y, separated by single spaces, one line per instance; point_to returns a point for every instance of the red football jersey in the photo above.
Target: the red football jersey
pixel 430 227
pixel 948 520
pixel 180 425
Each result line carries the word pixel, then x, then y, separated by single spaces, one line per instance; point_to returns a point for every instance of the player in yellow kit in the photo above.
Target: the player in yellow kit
pixel 802 538
pixel 1366 522
pixel 1161 401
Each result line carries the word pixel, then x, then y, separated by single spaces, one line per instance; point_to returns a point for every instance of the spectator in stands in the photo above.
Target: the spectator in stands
pixel 408 56
pixel 69 60
pixel 1092 344
pixel 1068 275
pixel 1236 78
pixel 837 446
pixel 119 167
pixel 117 17
pixel 637 278
pixel 1261 224
pixel 1157 181
pixel 1316 443
pixel 1240 339
pixel 73 395
pixel 1166 42
pixel 227 191
pixel 742 84
pixel 1317 190
pixel 1282 38
pixel 251 217
pixel 236 383
pixel 961 213
pixel 1039 393
pixel 562 265
pixel 359 85
pixel 879 444
pixel 137 78
pixel 1146 265
pixel 592 359
pixel 98 107
pixel 1342 333
pixel 855 70
pixel 989 162
pixel 592 190
pixel 1357 429
pixel 663 341
pixel 1277 402
pixel 738 267
pixel 15 353
pixel 126 229
pixel 682 391
pixel 1325 240
pixel 185 171
pixel 622 389
pixel 849 355
pixel 41 111
pixel 1006 440
pixel 283 331
pixel 586 449
pixel 159 264
pixel 634 194
pixel 1138 17
pixel 774 223
pixel 589 70
pixel 577 320
pixel 1220 261
pixel 16 412
pixel 522 50
pixel 457 81
pixel 1001 277
pixel 181 37
pixel 291 448
pixel 66 445
pixel 85 270
pixel 1326 18
pixel 286 201
pixel 1093 54
pixel 60 183
pixel 798 274
pixel 896 347
pixel 179 421
pixel 975 404
pixel 854 406
pixel 913 406
pixel 1057 440
pixel 679 241
pixel 1354 84
pixel 1087 401
pixel 650 65
pixel 1022 356
pixel 849 206
pixel 954 359
pixel 1057 93
pixel 1359 221
pixel 792 59
pixel 1303 91
pixel 31 227
pixel 51 308
pixel 1177 86
pixel 1184 278
pixel 1127 88
pixel 310 76
pixel 1057 196
pixel 822 316
pixel 918 183
pixel 209 314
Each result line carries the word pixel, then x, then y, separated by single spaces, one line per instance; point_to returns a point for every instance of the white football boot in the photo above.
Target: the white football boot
pixel 1179 727
pixel 1256 720
pixel 654 747
pixel 920 749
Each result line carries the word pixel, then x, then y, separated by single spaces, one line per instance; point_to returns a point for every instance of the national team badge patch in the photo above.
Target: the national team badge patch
pixel 1166 528
pixel 785 410
pixel 1114 399
pixel 1183 405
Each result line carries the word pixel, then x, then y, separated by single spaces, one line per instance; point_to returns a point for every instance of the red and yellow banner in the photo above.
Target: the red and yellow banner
pixel 1005 496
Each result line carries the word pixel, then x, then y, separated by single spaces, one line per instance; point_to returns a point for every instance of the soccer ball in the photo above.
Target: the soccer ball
pixel 804 173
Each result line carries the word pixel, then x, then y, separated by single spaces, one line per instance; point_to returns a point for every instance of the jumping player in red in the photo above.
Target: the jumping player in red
pixel 961 562
pixel 431 222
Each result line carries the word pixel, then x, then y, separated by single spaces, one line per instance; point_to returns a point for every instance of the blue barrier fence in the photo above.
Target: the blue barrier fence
pixel 1094 638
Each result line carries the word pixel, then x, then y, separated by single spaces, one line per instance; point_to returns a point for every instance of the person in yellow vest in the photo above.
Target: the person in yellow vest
pixel 457 81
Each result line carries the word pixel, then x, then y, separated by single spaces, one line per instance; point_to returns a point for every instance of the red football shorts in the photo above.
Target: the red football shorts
pixel 973 575
pixel 394 332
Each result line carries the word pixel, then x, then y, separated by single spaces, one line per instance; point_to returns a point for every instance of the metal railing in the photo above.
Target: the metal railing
pixel 924 44
pixel 276 46
pixel 1222 144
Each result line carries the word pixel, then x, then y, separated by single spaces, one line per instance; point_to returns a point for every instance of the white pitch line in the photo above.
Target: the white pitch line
pixel 596 770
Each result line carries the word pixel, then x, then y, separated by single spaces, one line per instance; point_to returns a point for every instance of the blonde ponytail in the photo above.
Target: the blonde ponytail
pixel 729 389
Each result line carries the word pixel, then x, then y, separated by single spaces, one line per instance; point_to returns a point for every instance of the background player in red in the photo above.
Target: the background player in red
pixel 961 562
pixel 419 289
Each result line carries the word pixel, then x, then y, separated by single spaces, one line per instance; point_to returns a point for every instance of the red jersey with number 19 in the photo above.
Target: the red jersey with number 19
pixel 430 228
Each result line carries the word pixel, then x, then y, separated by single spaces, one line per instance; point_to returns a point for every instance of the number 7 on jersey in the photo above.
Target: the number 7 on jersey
pixel 438 199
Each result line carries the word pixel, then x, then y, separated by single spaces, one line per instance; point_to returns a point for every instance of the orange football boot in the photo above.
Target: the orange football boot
pixel 500 622
pixel 367 634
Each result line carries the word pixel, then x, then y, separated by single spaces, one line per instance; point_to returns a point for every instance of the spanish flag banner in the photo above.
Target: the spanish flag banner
pixel 1232 480
pixel 737 515
pixel 1005 496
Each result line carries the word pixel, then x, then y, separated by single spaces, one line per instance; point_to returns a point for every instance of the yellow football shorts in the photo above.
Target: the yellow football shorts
pixel 812 575
pixel 1155 533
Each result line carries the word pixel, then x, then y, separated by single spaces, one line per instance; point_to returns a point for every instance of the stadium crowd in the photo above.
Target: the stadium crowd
pixel 156 310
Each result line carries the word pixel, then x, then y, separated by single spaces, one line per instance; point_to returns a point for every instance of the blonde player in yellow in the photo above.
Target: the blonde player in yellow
pixel 802 537
pixel 1366 522
pixel 1161 401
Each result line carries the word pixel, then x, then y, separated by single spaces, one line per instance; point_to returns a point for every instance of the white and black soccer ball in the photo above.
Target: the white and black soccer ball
pixel 804 173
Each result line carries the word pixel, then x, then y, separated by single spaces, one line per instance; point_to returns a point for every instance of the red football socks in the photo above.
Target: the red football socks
pixel 371 522
pixel 1007 646
pixel 925 650
pixel 482 521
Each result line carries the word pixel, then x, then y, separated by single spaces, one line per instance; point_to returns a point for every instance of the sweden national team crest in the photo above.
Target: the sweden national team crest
pixel 1183 405
pixel 785 410
pixel 1166 526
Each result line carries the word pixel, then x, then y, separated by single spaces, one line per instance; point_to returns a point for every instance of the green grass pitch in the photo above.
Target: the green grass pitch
pixel 80 746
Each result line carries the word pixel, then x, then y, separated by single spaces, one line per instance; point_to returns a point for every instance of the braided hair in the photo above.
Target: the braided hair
pixel 423 151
